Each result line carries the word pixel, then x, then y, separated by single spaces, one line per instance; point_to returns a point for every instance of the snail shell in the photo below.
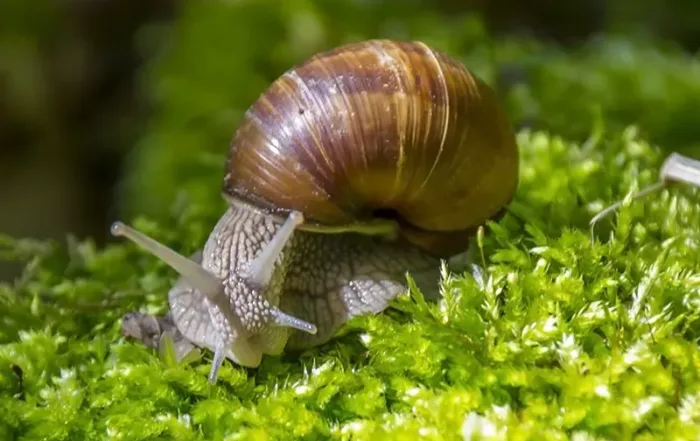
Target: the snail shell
pixel 378 129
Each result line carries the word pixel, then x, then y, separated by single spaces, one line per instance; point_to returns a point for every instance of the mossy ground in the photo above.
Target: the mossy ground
pixel 562 339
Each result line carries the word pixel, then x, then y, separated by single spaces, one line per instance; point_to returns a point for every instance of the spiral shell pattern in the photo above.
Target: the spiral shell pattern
pixel 378 127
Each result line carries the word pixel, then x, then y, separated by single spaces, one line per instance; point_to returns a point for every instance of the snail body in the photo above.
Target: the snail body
pixel 355 167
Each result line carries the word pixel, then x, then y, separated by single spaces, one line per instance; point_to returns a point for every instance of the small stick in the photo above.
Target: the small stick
pixel 676 168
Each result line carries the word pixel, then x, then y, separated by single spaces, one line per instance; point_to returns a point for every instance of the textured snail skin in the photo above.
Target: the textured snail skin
pixel 322 279
pixel 379 125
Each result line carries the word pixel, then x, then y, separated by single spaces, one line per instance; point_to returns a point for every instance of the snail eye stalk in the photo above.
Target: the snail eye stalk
pixel 200 278
pixel 261 268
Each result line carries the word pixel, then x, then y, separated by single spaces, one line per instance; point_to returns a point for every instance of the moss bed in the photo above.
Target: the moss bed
pixel 562 339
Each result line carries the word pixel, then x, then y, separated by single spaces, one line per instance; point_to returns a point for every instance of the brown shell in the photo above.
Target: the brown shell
pixel 378 127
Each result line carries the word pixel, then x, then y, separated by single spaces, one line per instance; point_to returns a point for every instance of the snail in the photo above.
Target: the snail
pixel 357 166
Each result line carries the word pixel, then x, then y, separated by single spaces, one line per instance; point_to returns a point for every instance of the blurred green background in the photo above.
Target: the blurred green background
pixel 117 108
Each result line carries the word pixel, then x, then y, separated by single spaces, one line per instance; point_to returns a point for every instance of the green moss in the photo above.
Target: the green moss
pixel 562 339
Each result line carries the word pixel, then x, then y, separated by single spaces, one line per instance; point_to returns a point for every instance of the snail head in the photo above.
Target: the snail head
pixel 247 324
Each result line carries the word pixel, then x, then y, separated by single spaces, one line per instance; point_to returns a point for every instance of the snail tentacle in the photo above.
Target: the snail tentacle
pixel 219 355
pixel 204 281
pixel 259 271
pixel 283 319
